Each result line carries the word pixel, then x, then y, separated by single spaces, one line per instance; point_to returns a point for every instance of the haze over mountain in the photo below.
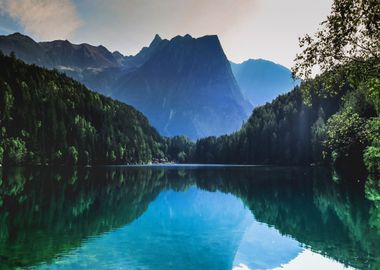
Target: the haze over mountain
pixel 261 80
pixel 185 85
pixel 94 66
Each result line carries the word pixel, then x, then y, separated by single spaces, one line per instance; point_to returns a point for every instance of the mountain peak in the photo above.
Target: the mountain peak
pixel 25 48
pixel 211 39
pixel 157 39
pixel 264 63
pixel 118 54
pixel 16 34
pixel 19 36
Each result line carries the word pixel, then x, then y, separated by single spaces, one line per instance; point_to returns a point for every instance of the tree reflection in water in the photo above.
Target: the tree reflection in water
pixel 46 212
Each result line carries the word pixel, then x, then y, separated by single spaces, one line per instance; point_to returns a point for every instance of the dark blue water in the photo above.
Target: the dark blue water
pixel 186 217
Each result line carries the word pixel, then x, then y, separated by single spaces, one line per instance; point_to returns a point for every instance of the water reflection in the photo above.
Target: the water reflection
pixel 185 218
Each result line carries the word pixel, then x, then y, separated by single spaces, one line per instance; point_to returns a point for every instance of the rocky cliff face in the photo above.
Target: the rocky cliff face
pixel 186 87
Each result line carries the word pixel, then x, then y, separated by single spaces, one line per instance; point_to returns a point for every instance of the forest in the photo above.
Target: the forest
pixel 48 118
pixel 343 127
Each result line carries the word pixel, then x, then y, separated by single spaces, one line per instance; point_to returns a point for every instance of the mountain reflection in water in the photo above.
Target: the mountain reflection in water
pixel 186 217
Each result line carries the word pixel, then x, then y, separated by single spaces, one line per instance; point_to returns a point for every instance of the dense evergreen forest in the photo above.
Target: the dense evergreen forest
pixel 344 126
pixel 48 118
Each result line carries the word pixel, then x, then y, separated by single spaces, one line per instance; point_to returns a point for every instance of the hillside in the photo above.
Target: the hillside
pixel 48 118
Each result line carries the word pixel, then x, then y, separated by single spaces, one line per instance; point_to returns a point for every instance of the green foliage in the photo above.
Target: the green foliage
pixel 344 130
pixel 6 102
pixel 181 157
pixel 14 150
pixel 318 137
pixel 350 34
pixel 179 149
pixel 372 158
pixel 372 151
pixel 72 155
pixel 372 191
pixel 1 154
pixel 57 157
pixel 347 51
pixel 353 132
pixel 373 130
pixel 374 93
pixel 48 118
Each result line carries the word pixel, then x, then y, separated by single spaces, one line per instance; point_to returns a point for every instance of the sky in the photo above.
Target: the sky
pixel 267 29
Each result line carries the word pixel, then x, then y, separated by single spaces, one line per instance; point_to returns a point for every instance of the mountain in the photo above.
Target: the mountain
pixel 136 61
pixel 46 117
pixel 94 66
pixel 59 54
pixel 25 48
pixel 185 85
pixel 64 54
pixel 261 81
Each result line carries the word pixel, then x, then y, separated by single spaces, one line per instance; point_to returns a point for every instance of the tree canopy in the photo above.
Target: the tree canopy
pixel 349 35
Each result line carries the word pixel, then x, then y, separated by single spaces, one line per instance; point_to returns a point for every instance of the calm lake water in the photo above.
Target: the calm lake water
pixel 186 217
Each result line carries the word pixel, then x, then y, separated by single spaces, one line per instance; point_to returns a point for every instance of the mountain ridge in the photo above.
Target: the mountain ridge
pixel 255 78
pixel 65 53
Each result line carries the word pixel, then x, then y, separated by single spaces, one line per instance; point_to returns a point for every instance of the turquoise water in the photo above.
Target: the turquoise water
pixel 186 217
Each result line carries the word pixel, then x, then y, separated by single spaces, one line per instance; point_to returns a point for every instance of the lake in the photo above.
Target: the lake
pixel 187 217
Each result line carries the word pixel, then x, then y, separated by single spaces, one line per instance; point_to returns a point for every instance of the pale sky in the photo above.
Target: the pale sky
pixel 266 29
